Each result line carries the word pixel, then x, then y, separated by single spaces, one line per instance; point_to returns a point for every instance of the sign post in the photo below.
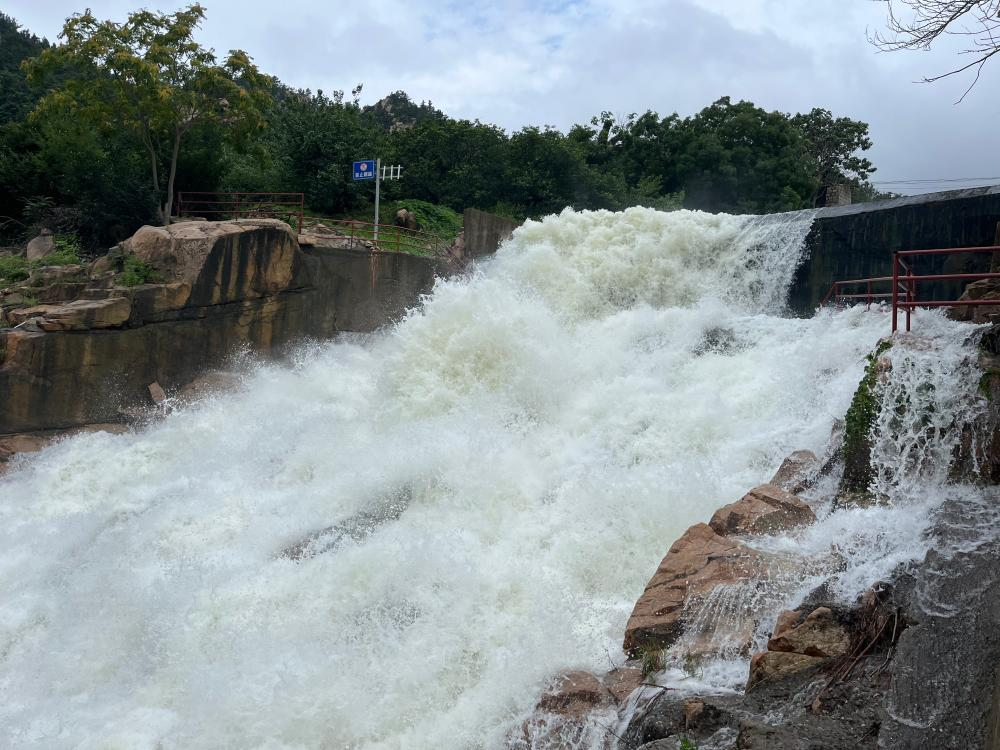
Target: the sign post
pixel 372 169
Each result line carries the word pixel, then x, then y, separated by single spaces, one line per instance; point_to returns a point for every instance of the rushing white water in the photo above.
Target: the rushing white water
pixel 492 482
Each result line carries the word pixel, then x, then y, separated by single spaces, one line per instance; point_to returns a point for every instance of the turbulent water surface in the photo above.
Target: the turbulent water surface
pixel 394 542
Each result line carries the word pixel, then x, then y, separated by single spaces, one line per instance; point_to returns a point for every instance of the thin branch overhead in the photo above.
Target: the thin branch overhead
pixel 917 24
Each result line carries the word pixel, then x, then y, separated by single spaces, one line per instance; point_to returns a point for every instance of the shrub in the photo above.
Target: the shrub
pixel 137 271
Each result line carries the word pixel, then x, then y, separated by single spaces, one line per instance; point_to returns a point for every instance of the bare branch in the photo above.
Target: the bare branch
pixel 924 22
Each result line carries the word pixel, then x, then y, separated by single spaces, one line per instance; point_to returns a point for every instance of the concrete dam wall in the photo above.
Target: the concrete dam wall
pixel 857 241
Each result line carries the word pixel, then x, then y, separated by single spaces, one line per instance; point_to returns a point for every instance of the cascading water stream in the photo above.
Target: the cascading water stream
pixel 394 542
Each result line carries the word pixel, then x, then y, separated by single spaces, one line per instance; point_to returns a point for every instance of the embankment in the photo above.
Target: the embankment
pixel 89 347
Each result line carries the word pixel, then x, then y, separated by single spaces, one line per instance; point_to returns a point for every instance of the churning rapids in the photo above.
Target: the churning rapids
pixel 475 499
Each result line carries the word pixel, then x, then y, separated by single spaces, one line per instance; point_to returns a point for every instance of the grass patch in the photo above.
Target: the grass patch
pixel 136 271
pixel 15 269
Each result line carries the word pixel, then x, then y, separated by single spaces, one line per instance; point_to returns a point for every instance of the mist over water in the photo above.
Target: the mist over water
pixel 475 498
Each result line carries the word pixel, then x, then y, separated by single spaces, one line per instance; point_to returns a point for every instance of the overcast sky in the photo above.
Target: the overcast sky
pixel 557 62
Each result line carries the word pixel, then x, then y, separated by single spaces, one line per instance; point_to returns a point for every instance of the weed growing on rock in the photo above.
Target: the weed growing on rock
pixel 137 271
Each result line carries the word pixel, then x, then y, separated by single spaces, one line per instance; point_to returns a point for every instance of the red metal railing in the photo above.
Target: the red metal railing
pixel 224 205
pixel 905 282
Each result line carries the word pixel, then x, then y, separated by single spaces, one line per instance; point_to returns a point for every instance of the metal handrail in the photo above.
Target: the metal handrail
pixel 271 205
pixel 904 282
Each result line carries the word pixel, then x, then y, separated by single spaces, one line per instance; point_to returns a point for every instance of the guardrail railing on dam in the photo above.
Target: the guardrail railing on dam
pixel 905 280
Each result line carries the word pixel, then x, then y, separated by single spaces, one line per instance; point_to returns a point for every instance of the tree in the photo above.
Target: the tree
pixel 832 144
pixel 149 77
pixel 926 21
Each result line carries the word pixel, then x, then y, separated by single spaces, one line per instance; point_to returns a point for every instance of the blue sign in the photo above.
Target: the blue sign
pixel 364 170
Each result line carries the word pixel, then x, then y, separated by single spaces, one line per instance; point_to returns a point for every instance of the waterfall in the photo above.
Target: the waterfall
pixel 394 541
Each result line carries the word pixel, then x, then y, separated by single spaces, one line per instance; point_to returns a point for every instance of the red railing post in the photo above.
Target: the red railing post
pixel 895 288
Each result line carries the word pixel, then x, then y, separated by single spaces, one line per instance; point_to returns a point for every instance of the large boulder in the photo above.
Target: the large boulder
pixel 224 261
pixel 696 564
pixel 44 244
pixel 764 510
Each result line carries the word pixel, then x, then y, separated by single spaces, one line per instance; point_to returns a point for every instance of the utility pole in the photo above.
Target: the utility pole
pixel 378 181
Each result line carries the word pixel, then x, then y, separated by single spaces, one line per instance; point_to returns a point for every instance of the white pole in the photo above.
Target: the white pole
pixel 378 179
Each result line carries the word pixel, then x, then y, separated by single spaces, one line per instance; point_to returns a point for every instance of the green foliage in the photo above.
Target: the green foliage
pixel 858 425
pixel 13 269
pixel 136 271
pixel 687 744
pixel 439 220
pixel 148 76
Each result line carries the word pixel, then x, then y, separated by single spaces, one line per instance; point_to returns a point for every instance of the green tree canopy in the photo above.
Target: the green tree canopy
pixel 150 77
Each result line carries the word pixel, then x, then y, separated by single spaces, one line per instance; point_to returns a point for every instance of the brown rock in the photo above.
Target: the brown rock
pixel 207 384
pixel 764 510
pixel 697 563
pixel 157 393
pixel 795 471
pixel 819 634
pixel 223 261
pixel 621 682
pixel 81 315
pixel 786 621
pixel 775 665
pixel 12 444
pixel 574 694
pixel 41 246
pixel 151 300
pixel 986 289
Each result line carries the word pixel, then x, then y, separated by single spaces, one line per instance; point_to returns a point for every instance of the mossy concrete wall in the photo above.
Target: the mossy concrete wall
pixel 857 241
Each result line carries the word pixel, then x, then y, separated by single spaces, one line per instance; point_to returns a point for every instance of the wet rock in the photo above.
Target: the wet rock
pixel 786 621
pixel 574 694
pixel 796 471
pixel 771 666
pixel 764 510
pixel 985 289
pixel 821 634
pixel 621 682
pixel 208 384
pixel 758 736
pixel 705 721
pixel 157 393
pixel 42 245
pixel 150 301
pixel 696 564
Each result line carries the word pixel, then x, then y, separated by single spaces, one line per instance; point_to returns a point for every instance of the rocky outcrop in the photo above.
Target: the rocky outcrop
pixel 986 289
pixel 81 344
pixel 820 633
pixel 696 564
pixel 764 510
pixel 797 472
pixel 705 558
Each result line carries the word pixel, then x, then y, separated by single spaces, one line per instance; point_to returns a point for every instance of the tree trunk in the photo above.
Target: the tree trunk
pixel 156 174
pixel 169 206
